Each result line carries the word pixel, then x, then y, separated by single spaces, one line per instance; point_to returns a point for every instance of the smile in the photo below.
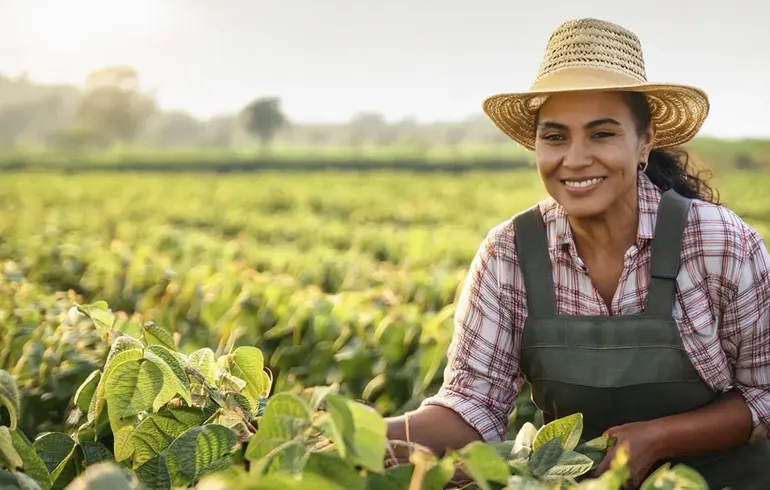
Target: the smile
pixel 583 183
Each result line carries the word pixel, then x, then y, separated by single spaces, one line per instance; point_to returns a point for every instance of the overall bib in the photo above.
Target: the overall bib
pixel 621 369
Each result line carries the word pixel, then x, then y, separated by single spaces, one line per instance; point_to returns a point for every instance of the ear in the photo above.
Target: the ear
pixel 646 142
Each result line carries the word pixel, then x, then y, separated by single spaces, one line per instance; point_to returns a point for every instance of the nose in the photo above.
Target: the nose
pixel 577 154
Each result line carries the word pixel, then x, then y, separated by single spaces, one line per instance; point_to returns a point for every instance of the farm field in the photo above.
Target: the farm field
pixel 339 279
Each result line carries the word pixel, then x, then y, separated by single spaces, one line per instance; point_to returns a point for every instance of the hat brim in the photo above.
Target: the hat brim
pixel 678 111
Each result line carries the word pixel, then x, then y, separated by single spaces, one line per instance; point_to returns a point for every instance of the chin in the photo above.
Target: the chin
pixel 582 208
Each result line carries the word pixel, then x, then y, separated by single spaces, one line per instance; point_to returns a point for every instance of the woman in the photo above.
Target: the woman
pixel 630 295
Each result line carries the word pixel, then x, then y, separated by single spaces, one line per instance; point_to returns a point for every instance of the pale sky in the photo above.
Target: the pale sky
pixel 431 59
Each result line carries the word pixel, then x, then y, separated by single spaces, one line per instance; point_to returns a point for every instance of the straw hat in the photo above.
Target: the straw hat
pixel 591 54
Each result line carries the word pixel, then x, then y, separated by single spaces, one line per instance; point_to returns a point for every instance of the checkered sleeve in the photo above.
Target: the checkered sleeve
pixel 746 324
pixel 482 377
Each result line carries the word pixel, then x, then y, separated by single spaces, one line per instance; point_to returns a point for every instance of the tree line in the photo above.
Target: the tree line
pixel 111 108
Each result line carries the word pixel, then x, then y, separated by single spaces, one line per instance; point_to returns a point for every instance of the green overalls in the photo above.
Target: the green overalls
pixel 621 369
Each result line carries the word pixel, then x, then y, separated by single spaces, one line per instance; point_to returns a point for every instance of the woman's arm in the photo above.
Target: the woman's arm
pixel 742 414
pixel 482 377
pixel 745 331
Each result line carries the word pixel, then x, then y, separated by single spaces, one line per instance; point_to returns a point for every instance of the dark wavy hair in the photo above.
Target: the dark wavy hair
pixel 670 168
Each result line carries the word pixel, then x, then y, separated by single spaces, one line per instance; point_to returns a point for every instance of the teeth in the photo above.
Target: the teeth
pixel 583 183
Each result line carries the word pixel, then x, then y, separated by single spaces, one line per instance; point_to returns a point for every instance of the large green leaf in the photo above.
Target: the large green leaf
pixel 483 463
pixel 571 464
pixel 17 481
pixel 337 424
pixel 9 396
pixel 155 335
pixel 199 451
pixel 153 435
pixel 154 473
pixel 100 314
pixel 334 468
pixel 567 429
pixel 288 458
pixel 86 391
pixel 173 384
pixel 369 438
pixel 286 417
pixel 61 455
pixel 546 457
pixel 53 448
pixel 122 344
pixel 34 466
pixel 9 456
pixel 131 388
pixel 249 365
pixel 204 361
pixel 97 402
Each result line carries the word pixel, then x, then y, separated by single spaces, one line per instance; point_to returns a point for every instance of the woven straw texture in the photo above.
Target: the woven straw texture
pixel 591 54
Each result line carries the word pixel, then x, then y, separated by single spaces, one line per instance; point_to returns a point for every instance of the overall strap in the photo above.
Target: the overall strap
pixel 666 249
pixel 535 262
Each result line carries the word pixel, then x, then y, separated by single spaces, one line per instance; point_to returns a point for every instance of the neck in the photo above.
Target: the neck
pixel 612 232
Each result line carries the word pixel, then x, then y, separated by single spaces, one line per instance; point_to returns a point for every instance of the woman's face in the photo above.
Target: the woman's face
pixel 588 151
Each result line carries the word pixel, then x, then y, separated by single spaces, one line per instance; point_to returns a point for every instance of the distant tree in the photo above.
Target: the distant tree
pixel 113 104
pixel 263 118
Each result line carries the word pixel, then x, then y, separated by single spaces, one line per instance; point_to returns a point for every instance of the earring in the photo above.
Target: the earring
pixel 643 166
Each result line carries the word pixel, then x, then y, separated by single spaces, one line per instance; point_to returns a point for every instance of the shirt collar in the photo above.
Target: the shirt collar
pixel 560 234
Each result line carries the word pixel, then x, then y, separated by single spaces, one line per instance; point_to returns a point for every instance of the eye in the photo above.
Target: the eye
pixel 552 137
pixel 603 134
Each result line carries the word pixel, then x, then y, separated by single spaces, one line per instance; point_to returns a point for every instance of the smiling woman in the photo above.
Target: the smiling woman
pixel 629 295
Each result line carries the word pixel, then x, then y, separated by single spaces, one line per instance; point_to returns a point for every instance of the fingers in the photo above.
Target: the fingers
pixel 605 464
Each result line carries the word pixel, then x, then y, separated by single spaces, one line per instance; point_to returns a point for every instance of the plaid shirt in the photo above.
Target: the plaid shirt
pixel 722 309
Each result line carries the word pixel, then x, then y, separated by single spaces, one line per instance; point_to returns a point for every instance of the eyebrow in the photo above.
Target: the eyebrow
pixel 592 124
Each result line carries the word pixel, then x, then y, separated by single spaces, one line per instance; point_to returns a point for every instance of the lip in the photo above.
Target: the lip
pixel 580 191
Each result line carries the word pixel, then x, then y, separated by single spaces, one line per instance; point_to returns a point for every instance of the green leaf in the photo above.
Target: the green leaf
pixel 96 452
pixel 170 358
pixel 56 447
pixel 204 361
pixel 33 464
pixel 97 402
pixel 86 391
pixel 174 382
pixel 131 388
pixel 568 429
pixel 679 477
pixel 198 451
pixel 483 463
pixel 155 335
pixel 9 396
pixel 98 312
pixel 571 464
pixel 9 457
pixel 288 458
pixel 249 365
pixel 287 416
pixel 369 438
pixel 303 482
pixel 154 474
pixel 546 457
pixel 122 344
pixel 596 449
pixel 53 449
pixel 330 466
pixel 337 424
pixel 153 435
pixel 16 481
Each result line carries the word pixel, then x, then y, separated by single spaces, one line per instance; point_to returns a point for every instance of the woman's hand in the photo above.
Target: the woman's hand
pixel 645 441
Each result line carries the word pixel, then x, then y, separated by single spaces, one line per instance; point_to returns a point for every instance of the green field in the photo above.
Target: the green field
pixel 345 280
